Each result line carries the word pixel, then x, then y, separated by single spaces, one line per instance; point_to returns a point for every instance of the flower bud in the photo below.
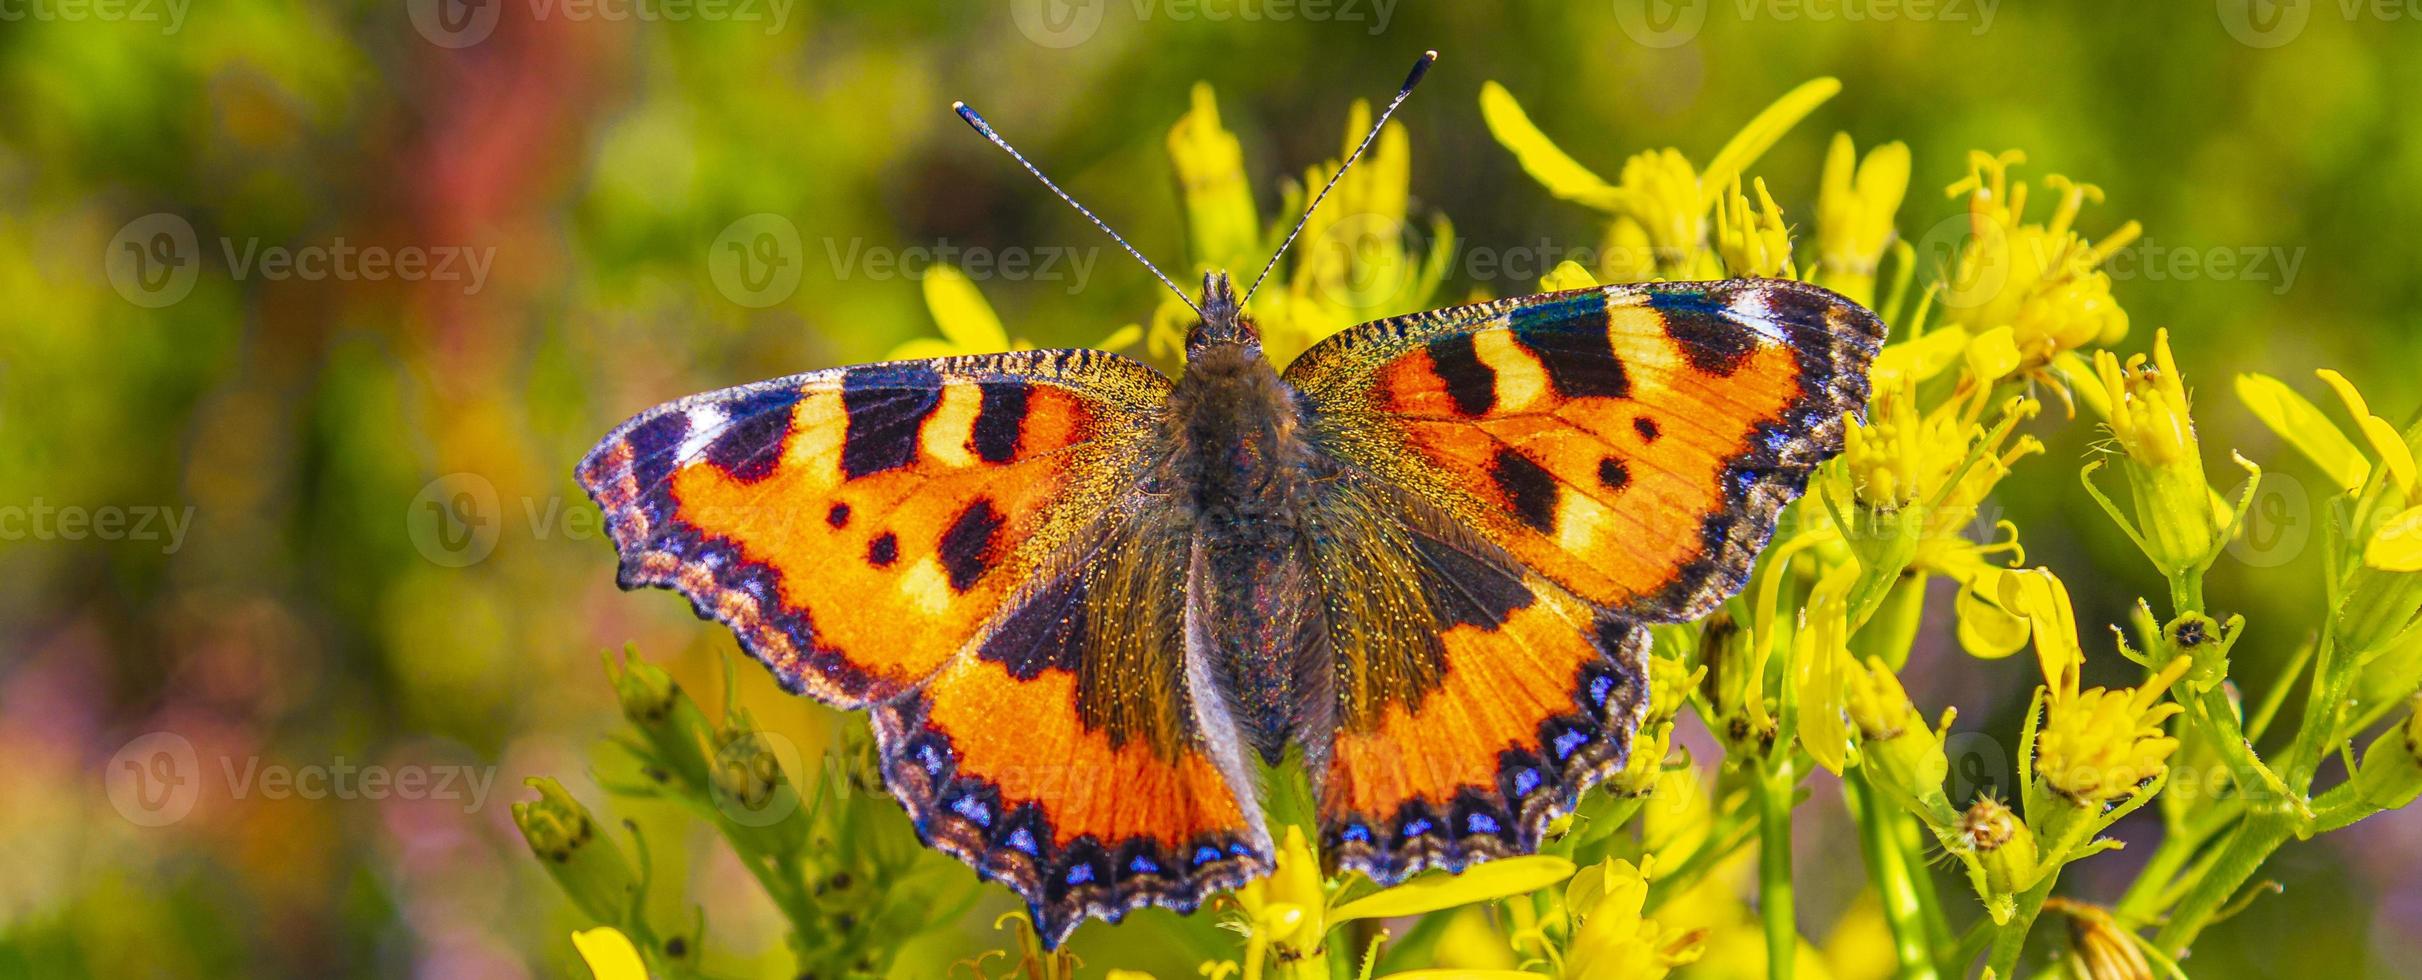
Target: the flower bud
pixel 585 864
pixel 668 721
pixel 2004 847
pixel 752 793
pixel 1900 755
pixel 2099 948
pixel 2391 773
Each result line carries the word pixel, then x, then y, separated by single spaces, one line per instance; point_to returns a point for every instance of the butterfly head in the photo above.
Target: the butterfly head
pixel 1223 320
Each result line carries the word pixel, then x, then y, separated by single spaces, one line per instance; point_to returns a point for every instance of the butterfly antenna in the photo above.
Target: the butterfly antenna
pixel 1420 68
pixel 985 128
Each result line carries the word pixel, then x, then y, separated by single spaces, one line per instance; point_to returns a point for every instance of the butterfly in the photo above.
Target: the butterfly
pixel 1080 598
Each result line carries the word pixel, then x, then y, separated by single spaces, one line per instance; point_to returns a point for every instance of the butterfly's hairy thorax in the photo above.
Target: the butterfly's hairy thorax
pixel 1246 468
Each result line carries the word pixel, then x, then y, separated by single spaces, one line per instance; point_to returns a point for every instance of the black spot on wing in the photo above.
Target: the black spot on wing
pixel 1647 428
pixel 967 545
pixel 886 405
pixel 1570 339
pixel 883 550
pixel 1046 632
pixel 1703 327
pixel 1528 488
pixel 838 516
pixel 1465 589
pixel 1472 384
pixel 1614 473
pixel 1000 419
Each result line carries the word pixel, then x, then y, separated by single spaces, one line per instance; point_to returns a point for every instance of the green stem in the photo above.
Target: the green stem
pixel 2011 938
pixel 1774 792
pixel 1913 839
pixel 2178 846
pixel 1888 868
pixel 2237 861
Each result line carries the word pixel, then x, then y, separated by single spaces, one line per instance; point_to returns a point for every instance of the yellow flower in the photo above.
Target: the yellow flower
pixel 1660 201
pixel 609 954
pixel 1222 228
pixel 2097 747
pixel 1753 242
pixel 2178 522
pixel 1669 683
pixel 1351 264
pixel 1611 937
pixel 1856 202
pixel 2149 405
pixel 2099 947
pixel 2044 281
pixel 1898 457
pixel 969 326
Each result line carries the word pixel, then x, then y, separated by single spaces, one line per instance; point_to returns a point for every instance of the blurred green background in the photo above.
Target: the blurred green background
pixel 311 519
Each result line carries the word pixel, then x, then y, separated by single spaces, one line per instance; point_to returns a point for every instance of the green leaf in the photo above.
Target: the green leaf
pixel 1480 883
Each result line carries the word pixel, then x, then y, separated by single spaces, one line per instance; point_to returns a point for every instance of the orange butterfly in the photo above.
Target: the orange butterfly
pixel 1078 596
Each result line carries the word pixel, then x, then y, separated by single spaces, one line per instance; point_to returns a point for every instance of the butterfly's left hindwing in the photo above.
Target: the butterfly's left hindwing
pixel 960 545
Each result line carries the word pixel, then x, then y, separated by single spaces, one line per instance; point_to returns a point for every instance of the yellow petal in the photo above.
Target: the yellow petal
pixel 1918 359
pixel 609 954
pixel 1460 974
pixel 1211 174
pixel 1122 338
pixel 1481 883
pixel 1993 355
pixel 1753 140
pixel 962 313
pixel 2397 546
pixel 1567 274
pixel 2391 449
pixel 1560 174
pixel 1987 631
pixel 2304 426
